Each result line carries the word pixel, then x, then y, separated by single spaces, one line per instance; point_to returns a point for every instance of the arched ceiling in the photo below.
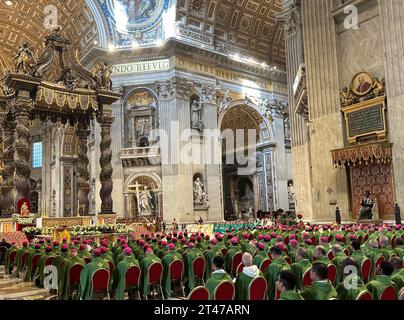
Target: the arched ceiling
pixel 249 25
pixel 246 26
pixel 23 20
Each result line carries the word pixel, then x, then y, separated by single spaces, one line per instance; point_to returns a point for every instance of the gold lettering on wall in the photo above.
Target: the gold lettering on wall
pixel 200 68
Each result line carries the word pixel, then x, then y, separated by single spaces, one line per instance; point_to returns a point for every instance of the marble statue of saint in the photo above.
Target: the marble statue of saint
pixel 145 199
pixel 205 200
pixel 367 204
pixel 197 108
pixel 198 191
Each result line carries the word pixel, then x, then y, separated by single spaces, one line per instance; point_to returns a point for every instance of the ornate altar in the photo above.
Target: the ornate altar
pixel 66 222
pixel 54 87
pixel 367 156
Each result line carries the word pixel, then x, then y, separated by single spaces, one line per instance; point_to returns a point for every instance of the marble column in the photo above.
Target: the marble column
pixel 391 12
pixel 22 149
pixel 105 122
pixel 7 189
pixel 83 133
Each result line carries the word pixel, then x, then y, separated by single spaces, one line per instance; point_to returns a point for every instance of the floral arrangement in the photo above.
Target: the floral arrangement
pixel 24 220
pixel 33 231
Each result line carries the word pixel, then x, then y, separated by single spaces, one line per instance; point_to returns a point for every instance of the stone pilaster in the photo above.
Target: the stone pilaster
pixel 213 164
pixel 392 35
pixel 174 100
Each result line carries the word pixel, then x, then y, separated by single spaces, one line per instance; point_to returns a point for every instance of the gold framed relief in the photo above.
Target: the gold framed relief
pixel 362 83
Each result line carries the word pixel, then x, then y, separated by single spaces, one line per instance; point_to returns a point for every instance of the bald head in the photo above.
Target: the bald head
pixel 384 241
pixel 374 244
pixel 247 259
pixel 336 248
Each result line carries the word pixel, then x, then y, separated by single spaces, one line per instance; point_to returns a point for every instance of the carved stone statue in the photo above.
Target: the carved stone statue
pixel 146 205
pixel 226 100
pixel 198 191
pixel 365 212
pixel 197 108
pixel 205 201
pixel 24 59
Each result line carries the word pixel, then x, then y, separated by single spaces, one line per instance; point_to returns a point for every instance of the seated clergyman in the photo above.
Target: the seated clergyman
pixel 322 288
pixel 286 285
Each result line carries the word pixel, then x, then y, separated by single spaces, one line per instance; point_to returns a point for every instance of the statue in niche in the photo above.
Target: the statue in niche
pixel 197 109
pixel 145 199
pixel 25 59
pixel 198 192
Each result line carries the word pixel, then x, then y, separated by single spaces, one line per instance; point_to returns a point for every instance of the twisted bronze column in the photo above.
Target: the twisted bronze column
pixel 106 166
pixel 7 188
pixel 22 151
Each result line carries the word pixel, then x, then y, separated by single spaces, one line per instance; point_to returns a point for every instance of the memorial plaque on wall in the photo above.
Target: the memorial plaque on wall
pixel 366 119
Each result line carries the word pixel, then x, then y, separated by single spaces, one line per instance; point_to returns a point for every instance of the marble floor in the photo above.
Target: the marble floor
pixel 12 288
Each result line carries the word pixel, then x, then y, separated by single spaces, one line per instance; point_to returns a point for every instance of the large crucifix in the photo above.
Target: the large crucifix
pixel 136 187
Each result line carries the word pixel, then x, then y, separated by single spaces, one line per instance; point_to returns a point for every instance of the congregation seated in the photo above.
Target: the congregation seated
pixel 321 288
pixel 289 253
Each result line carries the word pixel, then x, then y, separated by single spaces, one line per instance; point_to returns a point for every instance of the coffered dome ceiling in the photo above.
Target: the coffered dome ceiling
pixel 23 20
pixel 248 27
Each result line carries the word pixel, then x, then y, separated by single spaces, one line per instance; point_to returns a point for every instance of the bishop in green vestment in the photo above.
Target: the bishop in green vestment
pixel 64 289
pixel 352 284
pixel 86 276
pixel 190 256
pixel 300 267
pixel 321 288
pixel 218 276
pixel 119 283
pixel 171 256
pixel 209 256
pixel 144 265
pixel 234 249
pixel 7 262
pixel 40 274
pixel 30 268
pixel 244 279
pixel 381 280
pixel 286 285
pixel 271 274
pixel 18 258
